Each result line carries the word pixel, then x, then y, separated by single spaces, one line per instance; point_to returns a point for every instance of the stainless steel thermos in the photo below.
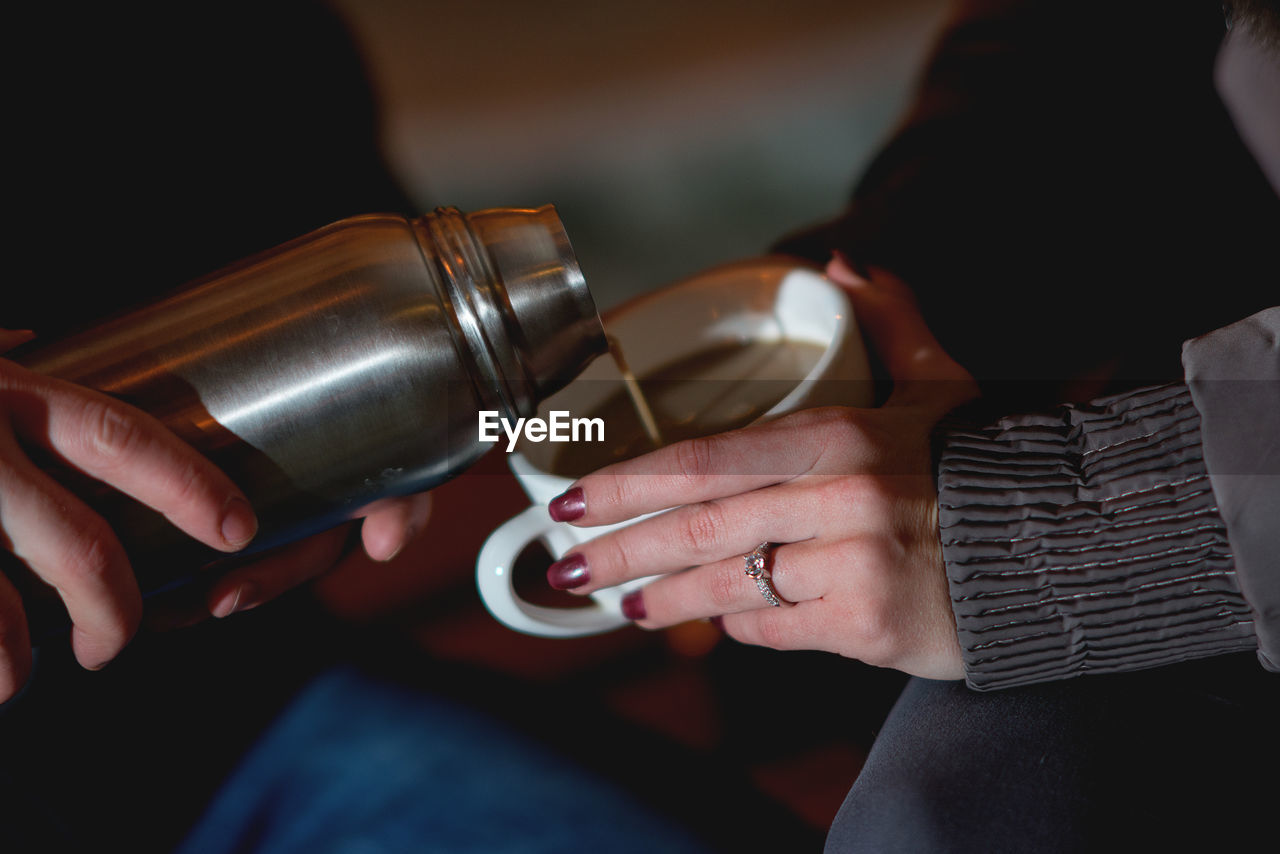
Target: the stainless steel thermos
pixel 343 367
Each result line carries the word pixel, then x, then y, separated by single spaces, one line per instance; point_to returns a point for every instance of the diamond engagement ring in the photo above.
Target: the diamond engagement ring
pixel 759 573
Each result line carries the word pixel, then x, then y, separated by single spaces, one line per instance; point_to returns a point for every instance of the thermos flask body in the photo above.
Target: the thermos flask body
pixel 344 367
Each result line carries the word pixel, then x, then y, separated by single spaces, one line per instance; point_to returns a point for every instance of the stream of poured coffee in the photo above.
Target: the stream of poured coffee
pixel 649 423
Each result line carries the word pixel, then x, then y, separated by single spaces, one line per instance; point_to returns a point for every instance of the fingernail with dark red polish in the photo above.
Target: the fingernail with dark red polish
pixel 570 505
pixel 568 572
pixel 633 606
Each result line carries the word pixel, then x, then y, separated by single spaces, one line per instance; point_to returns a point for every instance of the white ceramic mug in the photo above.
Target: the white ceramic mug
pixel 765 299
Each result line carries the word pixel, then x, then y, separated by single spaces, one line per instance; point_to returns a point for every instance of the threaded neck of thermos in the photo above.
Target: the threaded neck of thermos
pixel 518 297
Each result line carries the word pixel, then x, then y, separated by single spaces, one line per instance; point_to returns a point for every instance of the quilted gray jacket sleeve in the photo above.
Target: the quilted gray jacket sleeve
pixel 1139 530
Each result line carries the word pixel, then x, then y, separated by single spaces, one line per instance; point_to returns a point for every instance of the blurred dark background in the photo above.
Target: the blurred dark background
pixel 671 135
pixel 157 143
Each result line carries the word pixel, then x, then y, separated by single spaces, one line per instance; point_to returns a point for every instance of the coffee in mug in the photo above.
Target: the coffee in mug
pixel 728 347
pixel 723 387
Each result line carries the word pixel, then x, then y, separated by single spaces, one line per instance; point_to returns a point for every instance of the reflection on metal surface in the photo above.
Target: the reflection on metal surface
pixel 301 395
pixel 343 367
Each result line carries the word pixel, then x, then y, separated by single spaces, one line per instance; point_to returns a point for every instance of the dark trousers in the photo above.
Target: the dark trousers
pixel 1165 760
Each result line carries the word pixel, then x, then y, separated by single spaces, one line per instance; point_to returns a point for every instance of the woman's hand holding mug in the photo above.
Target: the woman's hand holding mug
pixel 770 316
pixel 845 496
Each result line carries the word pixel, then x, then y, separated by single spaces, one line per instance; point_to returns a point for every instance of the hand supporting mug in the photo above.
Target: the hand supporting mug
pixel 766 299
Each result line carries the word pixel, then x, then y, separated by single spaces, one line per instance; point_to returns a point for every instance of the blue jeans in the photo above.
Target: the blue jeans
pixel 359 766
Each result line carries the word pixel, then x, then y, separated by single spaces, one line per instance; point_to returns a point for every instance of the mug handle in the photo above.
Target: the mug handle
pixel 497 588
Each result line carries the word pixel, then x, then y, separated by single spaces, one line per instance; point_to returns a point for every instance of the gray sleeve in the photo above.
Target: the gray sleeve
pixel 1234 377
pixel 1136 531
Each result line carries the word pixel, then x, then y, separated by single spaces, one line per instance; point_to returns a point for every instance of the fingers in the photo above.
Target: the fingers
pixel 68 545
pixel 131 451
pixel 391 525
pixel 872 597
pixel 856 596
pixel 247 587
pixel 799 574
pixel 10 338
pixel 694 470
pixel 687 536
pixel 878 633
pixel 787 628
pixel 887 312
pixel 15 645
pixel 71 548
pixel 386 529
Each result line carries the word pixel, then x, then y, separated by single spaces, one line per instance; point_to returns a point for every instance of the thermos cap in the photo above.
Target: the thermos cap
pixel 520 298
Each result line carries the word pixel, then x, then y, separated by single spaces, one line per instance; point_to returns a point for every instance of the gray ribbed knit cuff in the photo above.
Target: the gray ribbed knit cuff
pixel 1086 541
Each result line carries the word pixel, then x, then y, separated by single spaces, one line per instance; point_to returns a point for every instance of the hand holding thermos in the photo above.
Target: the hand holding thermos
pixel 335 377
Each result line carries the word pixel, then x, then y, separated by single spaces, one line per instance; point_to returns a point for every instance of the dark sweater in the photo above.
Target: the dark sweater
pixel 1071 201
